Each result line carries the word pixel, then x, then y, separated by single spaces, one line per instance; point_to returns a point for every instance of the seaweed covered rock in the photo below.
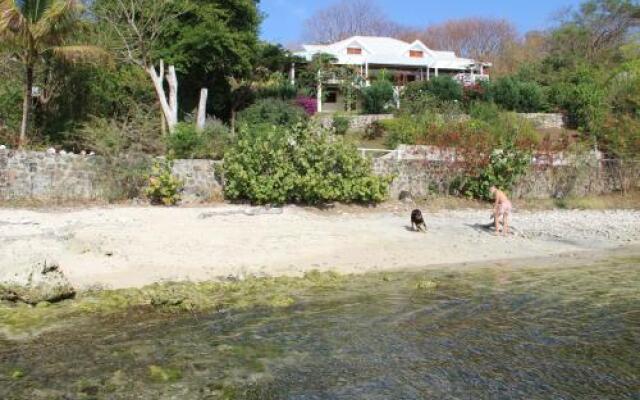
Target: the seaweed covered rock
pixel 38 282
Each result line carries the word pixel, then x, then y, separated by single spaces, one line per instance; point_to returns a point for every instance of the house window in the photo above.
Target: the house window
pixel 416 54
pixel 354 50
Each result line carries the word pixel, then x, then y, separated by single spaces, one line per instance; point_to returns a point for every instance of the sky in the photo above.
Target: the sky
pixel 284 18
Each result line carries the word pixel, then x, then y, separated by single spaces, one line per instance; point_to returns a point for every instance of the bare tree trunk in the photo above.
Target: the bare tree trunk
pixel 172 80
pixel 202 110
pixel 26 105
pixel 169 108
pixel 233 122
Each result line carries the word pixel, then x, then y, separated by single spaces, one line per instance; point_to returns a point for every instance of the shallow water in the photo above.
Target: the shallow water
pixel 489 333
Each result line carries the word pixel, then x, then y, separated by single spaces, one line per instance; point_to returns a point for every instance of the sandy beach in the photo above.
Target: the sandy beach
pixel 124 247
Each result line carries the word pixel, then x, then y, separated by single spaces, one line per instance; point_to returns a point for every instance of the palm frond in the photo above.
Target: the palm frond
pixel 82 54
pixel 57 20
pixel 12 20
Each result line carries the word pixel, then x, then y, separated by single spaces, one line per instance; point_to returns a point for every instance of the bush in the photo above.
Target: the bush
pixel 282 91
pixel 10 108
pixel 484 111
pixel 280 165
pixel 416 99
pixel 272 112
pixel 376 98
pixel 515 95
pixel 188 142
pixel 308 104
pixel 340 124
pixel 445 88
pixel 583 103
pixel 399 131
pixel 503 171
pixel 162 187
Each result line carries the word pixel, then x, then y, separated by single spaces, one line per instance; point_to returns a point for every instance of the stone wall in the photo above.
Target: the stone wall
pixel 202 179
pixel 47 176
pixel 545 121
pixel 425 177
pixel 59 176
pixel 357 122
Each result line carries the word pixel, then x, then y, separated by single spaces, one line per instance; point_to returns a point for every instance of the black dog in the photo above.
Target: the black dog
pixel 417 221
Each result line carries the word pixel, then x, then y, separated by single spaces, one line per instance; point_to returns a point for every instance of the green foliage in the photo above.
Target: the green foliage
pixel 484 111
pixel 208 42
pixel 622 135
pixel 163 188
pixel 340 124
pixel 376 98
pixel 444 88
pixel 188 142
pixel 10 106
pixel 280 165
pixel 272 112
pixel 402 130
pixel 584 104
pixel 503 171
pixel 276 85
pixel 416 99
pixel 514 94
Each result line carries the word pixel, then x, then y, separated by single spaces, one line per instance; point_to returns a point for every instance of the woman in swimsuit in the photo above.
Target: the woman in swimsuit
pixel 502 208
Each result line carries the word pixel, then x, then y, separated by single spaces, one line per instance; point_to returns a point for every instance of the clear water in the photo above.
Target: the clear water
pixel 492 333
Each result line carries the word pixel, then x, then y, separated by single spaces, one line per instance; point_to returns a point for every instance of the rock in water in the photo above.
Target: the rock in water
pixel 39 282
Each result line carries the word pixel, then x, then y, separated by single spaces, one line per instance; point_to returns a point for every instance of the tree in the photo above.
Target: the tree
pixel 137 26
pixel 480 38
pixel 596 31
pixel 34 30
pixel 208 42
pixel 348 18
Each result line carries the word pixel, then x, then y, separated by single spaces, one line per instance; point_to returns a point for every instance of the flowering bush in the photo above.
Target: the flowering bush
pixel 308 104
pixel 163 188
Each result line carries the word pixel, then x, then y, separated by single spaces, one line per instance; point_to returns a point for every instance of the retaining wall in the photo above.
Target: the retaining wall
pixel 426 177
pixel 74 177
pixel 357 122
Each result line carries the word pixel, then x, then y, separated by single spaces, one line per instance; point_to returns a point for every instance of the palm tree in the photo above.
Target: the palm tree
pixel 32 30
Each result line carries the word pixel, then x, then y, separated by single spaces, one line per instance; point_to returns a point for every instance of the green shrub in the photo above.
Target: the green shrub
pixel 282 91
pixel 376 98
pixel 10 106
pixel 503 171
pixel 484 111
pixel 445 88
pixel 416 99
pixel 532 98
pixel 277 165
pixel 584 104
pixel 162 187
pixel 188 142
pixel 272 112
pixel 516 95
pixel 401 130
pixel 340 124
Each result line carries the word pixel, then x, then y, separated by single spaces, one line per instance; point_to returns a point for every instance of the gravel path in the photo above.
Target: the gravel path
pixel 129 247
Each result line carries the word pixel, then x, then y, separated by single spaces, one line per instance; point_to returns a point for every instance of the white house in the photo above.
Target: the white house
pixel 406 62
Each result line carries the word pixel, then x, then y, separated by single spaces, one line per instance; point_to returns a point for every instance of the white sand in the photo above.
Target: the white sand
pixel 131 247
